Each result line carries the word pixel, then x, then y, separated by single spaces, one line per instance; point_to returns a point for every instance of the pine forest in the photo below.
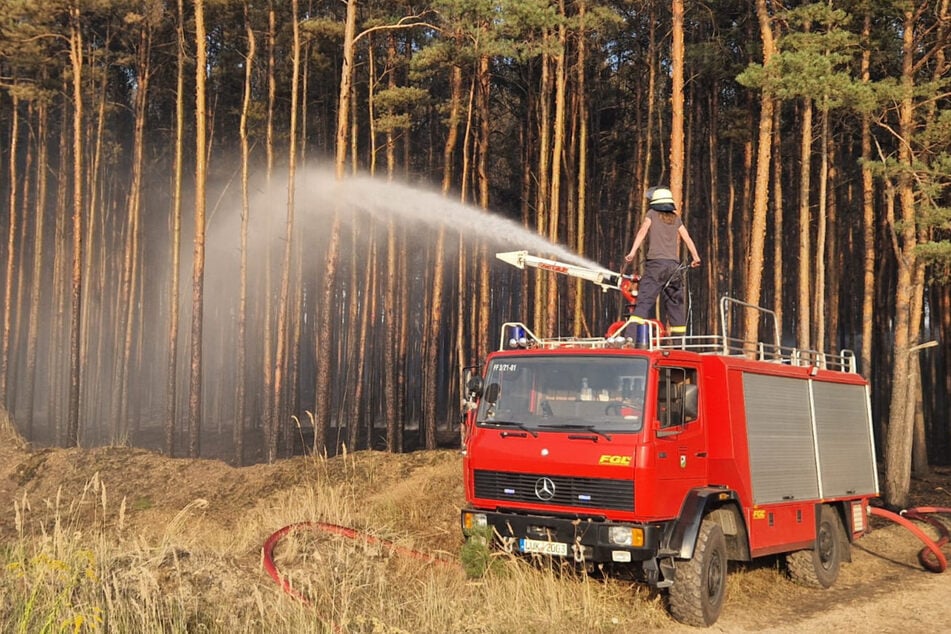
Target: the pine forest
pixel 244 229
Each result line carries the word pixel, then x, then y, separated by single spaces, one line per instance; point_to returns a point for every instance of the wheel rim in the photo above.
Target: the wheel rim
pixel 715 578
pixel 825 546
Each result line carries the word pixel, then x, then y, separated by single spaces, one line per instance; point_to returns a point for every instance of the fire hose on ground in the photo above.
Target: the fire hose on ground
pixel 267 551
pixel 930 556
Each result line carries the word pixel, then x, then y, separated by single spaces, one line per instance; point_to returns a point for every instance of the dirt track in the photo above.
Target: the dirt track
pixel 884 589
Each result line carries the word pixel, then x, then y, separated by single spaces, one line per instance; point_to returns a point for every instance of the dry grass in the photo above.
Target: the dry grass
pixel 123 540
pixel 78 564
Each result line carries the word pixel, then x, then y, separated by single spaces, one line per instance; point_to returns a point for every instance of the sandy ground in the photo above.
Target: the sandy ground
pixel 884 589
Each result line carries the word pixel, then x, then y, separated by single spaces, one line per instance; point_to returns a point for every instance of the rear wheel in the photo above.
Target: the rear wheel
pixel 696 597
pixel 818 567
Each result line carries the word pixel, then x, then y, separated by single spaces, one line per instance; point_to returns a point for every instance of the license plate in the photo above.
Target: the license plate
pixel 543 547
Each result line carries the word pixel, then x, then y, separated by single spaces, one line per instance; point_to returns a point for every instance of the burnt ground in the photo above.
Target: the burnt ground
pixel 884 589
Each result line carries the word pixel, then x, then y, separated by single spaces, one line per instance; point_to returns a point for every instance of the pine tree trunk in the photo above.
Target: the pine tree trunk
pixel 582 143
pixel 61 289
pixel 96 319
pixel 434 319
pixel 919 446
pixel 836 265
pixel 346 81
pixel 271 93
pixel 280 358
pixel 715 266
pixel 395 442
pixel 778 279
pixel 39 257
pixel 822 217
pixel 241 343
pixel 171 378
pixel 452 132
pixel 485 128
pixel 804 318
pixel 367 308
pixel 75 324
pixel 868 213
pixel 390 369
pixel 761 195
pixel 542 318
pixel 677 103
pixel 557 151
pixel 129 283
pixel 198 264
pixel 5 335
pixel 371 104
pixel 324 378
pixel 900 431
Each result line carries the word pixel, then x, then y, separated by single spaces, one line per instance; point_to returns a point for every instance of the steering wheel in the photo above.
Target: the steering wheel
pixel 618 408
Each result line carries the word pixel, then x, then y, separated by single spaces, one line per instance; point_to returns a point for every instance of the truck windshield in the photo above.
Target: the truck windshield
pixel 571 392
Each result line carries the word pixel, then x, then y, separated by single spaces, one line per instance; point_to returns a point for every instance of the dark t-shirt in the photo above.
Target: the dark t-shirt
pixel 662 236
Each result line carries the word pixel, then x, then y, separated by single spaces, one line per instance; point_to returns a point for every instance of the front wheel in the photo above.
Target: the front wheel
pixel 818 567
pixel 699 589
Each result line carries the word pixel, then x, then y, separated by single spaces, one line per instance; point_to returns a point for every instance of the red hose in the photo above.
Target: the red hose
pixel 267 560
pixel 267 551
pixel 930 556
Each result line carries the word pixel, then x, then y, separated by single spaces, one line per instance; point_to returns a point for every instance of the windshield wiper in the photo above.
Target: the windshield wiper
pixel 589 428
pixel 510 423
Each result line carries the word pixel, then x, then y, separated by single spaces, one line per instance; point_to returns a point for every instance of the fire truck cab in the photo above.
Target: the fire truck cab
pixel 671 457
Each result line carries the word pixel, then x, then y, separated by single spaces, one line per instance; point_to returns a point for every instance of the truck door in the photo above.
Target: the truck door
pixel 679 431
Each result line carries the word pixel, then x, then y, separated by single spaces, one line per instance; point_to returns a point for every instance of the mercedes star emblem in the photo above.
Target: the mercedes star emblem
pixel 544 489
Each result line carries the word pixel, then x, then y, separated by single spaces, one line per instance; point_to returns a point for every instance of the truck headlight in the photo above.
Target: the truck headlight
pixel 626 536
pixel 474 520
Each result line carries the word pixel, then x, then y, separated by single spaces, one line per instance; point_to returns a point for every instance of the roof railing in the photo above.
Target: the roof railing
pixel 518 335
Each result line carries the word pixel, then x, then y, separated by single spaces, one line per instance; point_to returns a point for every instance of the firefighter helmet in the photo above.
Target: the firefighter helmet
pixel 661 199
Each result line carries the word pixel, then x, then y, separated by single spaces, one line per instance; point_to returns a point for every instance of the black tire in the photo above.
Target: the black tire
pixel 818 567
pixel 699 589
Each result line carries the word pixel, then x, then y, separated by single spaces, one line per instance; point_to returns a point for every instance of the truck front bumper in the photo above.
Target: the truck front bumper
pixel 584 540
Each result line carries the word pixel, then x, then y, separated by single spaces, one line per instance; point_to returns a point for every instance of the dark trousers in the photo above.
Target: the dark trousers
pixel 661 278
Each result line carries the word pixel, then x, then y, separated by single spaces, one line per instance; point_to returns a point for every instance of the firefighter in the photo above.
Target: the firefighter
pixel 663 229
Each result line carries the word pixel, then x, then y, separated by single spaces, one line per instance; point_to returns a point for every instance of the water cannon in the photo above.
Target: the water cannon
pixel 607 280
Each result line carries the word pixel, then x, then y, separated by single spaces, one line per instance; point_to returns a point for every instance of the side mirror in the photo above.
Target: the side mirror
pixel 474 386
pixel 492 392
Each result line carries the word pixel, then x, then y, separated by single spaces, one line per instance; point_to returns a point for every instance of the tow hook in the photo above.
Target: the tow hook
pixel 577 549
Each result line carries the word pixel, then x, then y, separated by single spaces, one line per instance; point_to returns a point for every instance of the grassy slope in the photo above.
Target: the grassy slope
pixel 120 539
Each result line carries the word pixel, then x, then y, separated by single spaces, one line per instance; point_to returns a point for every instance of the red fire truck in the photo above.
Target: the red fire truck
pixel 669 456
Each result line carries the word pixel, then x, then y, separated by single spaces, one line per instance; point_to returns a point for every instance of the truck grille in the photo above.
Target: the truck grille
pixel 590 493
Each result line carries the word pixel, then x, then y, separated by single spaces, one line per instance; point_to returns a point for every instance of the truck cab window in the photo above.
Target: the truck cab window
pixel 676 396
pixel 603 393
